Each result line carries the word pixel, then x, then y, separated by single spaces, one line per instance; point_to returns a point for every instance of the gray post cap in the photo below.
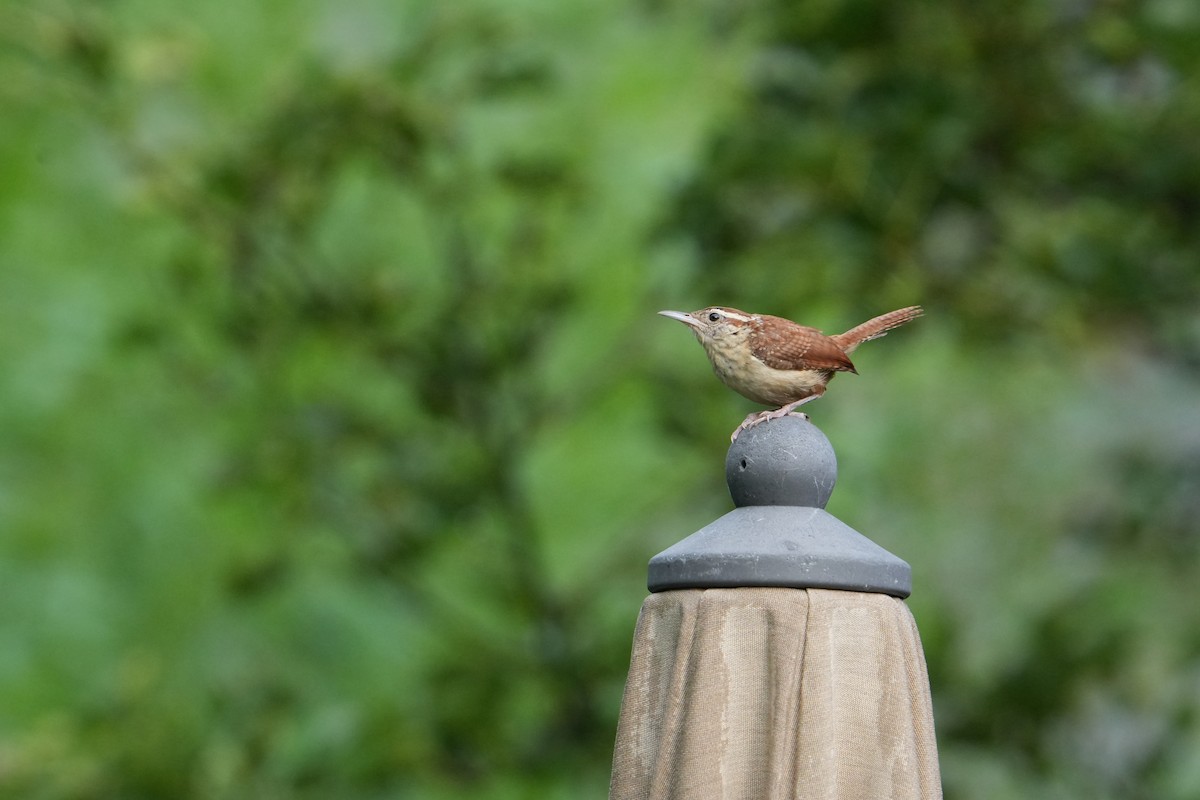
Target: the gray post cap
pixel 780 474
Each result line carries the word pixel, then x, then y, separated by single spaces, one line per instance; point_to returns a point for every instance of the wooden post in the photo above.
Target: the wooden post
pixel 776 657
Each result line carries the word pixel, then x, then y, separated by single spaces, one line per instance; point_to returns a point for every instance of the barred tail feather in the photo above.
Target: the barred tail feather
pixel 874 328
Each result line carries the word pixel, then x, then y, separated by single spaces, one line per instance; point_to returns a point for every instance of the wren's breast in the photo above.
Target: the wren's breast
pixel 752 379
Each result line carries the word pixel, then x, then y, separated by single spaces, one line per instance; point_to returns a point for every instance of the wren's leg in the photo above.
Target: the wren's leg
pixel 762 416
pixel 790 407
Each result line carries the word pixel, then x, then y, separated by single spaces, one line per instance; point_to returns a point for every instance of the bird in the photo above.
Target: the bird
pixel 777 362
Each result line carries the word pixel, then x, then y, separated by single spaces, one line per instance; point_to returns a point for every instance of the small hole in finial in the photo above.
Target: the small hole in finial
pixel 743 463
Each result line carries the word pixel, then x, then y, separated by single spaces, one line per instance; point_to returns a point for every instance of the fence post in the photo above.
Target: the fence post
pixel 775 657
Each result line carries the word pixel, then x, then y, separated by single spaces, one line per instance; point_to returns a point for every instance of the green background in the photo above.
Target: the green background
pixel 337 427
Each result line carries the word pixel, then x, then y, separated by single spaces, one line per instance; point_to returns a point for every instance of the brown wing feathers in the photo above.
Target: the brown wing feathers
pixel 782 344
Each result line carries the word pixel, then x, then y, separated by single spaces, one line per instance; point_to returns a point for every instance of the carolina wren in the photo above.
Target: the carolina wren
pixel 775 361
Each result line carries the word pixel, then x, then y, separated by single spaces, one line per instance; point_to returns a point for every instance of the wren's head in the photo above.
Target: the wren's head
pixel 712 325
pixel 725 334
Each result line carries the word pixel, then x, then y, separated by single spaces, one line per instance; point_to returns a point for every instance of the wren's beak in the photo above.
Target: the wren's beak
pixel 686 319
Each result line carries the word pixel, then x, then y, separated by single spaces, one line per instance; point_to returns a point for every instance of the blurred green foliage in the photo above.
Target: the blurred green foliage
pixel 336 426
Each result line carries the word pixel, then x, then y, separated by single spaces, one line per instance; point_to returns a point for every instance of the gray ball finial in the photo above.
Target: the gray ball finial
pixel 787 462
pixel 780 473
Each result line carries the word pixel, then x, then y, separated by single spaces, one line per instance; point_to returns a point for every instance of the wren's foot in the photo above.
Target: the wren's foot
pixel 762 416
pixel 749 422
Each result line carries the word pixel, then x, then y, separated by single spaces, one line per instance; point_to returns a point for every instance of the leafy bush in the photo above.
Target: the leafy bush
pixel 336 427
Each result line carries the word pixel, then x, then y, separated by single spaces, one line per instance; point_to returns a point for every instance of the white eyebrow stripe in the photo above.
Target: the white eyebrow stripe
pixel 738 317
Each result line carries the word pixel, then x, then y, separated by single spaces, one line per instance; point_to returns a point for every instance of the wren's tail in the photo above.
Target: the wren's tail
pixel 874 328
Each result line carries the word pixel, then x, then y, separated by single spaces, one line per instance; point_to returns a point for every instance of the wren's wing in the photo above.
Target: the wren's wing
pixel 782 344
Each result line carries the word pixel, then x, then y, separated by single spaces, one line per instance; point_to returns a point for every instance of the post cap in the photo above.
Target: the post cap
pixel 781 474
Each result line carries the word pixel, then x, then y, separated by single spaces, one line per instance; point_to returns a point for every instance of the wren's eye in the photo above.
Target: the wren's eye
pixel 713 317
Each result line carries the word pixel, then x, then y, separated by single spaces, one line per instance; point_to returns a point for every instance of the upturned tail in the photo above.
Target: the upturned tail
pixel 874 328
